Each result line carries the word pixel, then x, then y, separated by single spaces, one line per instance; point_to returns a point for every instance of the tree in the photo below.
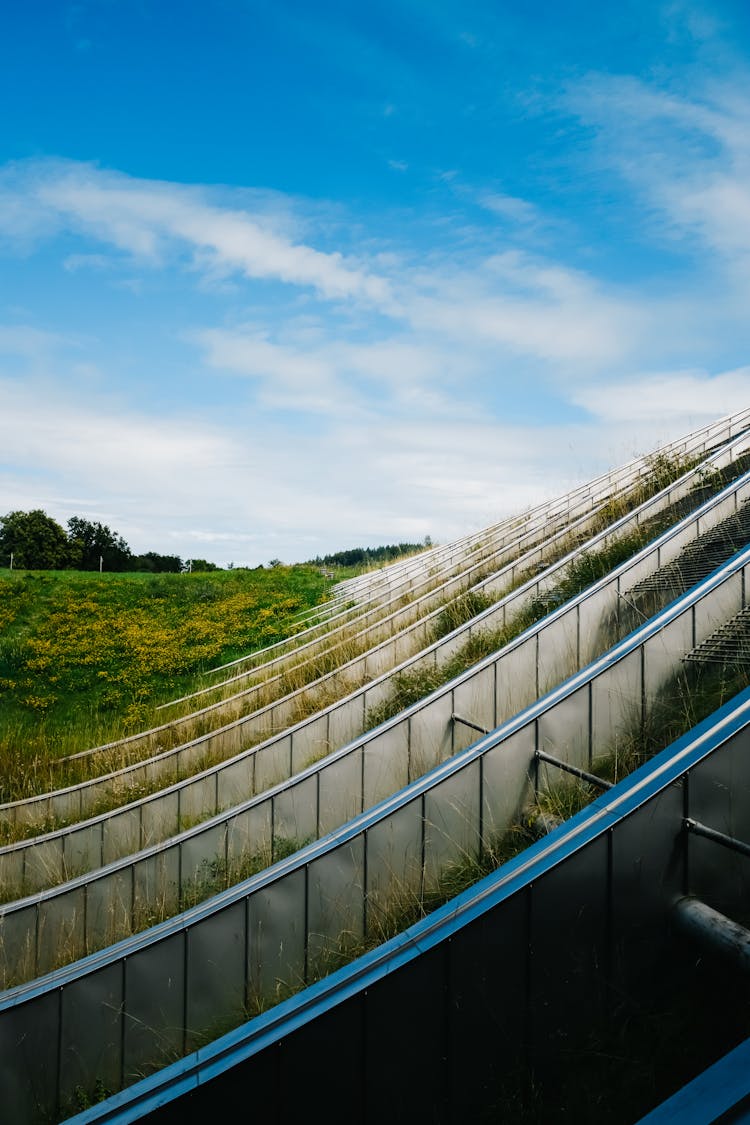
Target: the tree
pixel 155 563
pixel 36 541
pixel 90 542
pixel 196 565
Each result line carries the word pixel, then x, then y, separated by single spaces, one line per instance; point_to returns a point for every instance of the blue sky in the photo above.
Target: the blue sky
pixel 282 278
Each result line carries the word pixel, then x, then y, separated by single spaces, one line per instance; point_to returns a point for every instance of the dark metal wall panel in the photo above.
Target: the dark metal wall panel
pixel 647 876
pixel 569 955
pixel 91 1033
pixel 404 1079
pixel 29 1052
pixel 717 791
pixel 153 1022
pixel 216 974
pixel 488 1014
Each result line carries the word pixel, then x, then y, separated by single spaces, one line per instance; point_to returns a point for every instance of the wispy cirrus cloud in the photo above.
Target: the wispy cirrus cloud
pixel 685 151
pixel 514 300
pixel 146 219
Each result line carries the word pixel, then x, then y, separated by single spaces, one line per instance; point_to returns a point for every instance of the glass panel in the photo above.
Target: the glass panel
pixel 335 910
pixel 340 791
pixel 203 863
pixel 159 819
pixel 346 722
pixel 718 606
pixel 616 705
pixel 197 801
pixel 44 864
pixel 452 824
pixel 17 946
pixel 394 865
pixel 249 837
pixel 564 732
pixel 474 699
pixel 11 873
pixel 235 783
pixel 156 893
pixel 597 623
pixel 516 679
pixel 386 764
pixel 663 651
pixel 82 850
pixel 272 763
pixel 676 543
pixel 61 930
pixel 276 938
pixel 508 773
pixel 121 834
pixel 558 652
pixel 71 804
pixel 430 736
pixel 310 742
pixel 295 812
pixel 109 908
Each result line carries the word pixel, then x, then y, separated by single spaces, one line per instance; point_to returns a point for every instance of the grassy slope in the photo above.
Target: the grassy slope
pixel 84 657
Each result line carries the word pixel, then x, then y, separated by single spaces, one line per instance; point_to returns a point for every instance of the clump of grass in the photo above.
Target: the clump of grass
pixel 459 611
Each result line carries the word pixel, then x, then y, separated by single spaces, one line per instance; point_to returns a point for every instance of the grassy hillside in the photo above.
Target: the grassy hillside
pixel 85 658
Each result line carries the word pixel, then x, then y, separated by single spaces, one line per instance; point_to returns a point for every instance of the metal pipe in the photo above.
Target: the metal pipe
pixel 732 842
pixel 468 723
pixel 590 777
pixel 712 931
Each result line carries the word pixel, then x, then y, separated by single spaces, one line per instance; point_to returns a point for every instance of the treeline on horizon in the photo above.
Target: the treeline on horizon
pixel 363 556
pixel 35 541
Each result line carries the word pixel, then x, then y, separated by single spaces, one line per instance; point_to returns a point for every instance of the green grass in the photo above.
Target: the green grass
pixel 84 659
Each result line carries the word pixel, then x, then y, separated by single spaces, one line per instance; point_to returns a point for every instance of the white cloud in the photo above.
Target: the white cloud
pixel 686 153
pixel 687 398
pixel 508 207
pixel 144 217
